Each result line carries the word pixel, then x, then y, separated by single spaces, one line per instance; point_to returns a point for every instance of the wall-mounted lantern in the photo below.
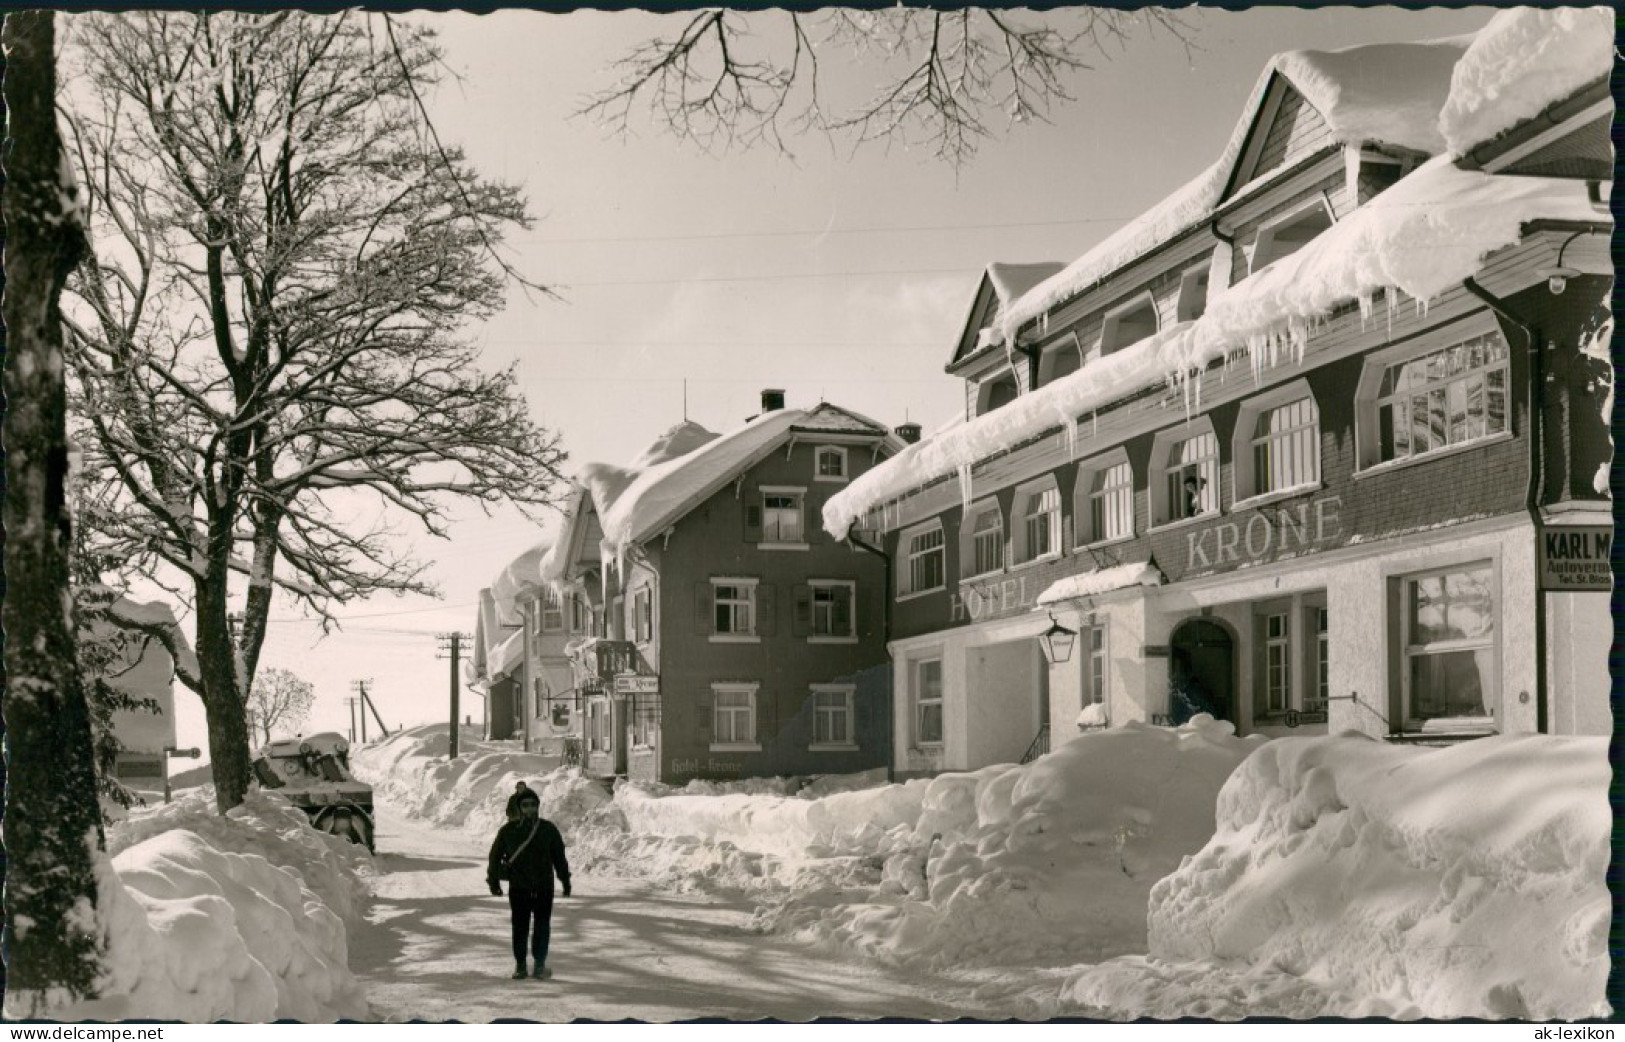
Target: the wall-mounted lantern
pixel 1057 642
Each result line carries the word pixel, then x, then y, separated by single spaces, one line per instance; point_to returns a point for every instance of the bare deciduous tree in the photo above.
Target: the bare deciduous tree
pixel 52 826
pixel 939 74
pixel 280 698
pixel 264 346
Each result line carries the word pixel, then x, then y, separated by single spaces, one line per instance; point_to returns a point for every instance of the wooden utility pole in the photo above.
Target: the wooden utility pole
pixel 451 646
pixel 360 689
pixel 351 703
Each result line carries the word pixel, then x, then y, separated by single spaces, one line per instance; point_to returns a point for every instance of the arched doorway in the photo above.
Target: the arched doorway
pixel 1201 671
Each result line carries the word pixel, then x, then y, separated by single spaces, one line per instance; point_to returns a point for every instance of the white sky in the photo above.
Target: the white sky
pixel 830 276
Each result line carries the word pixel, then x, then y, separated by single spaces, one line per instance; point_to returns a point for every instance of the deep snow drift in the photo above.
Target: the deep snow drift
pixel 1215 876
pixel 1353 878
pixel 241 918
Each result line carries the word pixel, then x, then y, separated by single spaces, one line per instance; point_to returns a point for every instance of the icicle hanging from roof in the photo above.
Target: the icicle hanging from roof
pixel 964 486
pixel 1071 424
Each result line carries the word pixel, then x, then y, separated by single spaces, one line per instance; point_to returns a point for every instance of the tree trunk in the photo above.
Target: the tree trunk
pixel 52 823
pixel 224 708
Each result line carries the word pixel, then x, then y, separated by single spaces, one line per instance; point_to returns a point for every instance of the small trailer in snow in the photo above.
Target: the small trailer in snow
pixel 314 774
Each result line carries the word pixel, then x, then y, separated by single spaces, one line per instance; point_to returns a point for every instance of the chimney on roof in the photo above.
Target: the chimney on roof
pixel 909 432
pixel 772 398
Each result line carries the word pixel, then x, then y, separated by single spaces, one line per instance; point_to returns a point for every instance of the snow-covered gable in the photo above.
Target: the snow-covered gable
pixel 635 503
pixel 1388 93
pixel 1000 285
pixel 1523 61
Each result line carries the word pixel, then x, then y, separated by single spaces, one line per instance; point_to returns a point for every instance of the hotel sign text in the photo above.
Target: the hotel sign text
pixel 1001 597
pixel 1268 533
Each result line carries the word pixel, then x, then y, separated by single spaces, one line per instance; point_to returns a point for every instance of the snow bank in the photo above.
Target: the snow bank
pixel 1040 864
pixel 1524 60
pixel 1353 878
pixel 267 825
pixel 239 918
pixel 410 770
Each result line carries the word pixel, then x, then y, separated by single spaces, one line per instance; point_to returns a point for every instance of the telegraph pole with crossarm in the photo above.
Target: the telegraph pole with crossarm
pixel 451 646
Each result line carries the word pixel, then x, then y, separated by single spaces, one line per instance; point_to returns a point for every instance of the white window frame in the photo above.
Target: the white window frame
pixel 750 712
pixel 551 603
pixel 1368 403
pixel 1022 516
pixel 1054 350
pixel 851 587
pixel 748 584
pixel 968 538
pixel 848 710
pixel 1250 490
pixel 1162 449
pixel 1264 239
pixel 906 551
pixel 600 726
pixel 917 703
pixel 645 721
pixel 1410 651
pixel 1113 317
pixel 1084 496
pixel 778 541
pixel 818 464
pixel 1299 647
pixel 1096 662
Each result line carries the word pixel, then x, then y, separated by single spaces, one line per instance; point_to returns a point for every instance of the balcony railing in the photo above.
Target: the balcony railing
pixel 596 662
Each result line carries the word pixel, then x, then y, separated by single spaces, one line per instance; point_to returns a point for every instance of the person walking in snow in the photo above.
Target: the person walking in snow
pixel 527 853
pixel 519 789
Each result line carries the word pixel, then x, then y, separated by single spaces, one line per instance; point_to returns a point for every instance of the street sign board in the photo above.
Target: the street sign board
pixel 634 685
pixel 1575 557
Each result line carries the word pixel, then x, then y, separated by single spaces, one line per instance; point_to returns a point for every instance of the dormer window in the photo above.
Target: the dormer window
pixel 1059 358
pixel 1289 233
pixel 831 463
pixel 1192 293
pixel 1128 324
pixel 995 393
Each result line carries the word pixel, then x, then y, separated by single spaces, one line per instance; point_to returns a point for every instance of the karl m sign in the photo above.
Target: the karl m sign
pixel 1576 558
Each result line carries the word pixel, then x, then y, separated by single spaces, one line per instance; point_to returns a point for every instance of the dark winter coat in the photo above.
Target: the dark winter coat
pixel 536 864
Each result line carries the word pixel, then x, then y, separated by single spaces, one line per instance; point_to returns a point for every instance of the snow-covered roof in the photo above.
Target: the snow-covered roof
pixel 505 657
pixel 1101 580
pixel 1426 234
pixel 522 571
pixel 1377 92
pixel 1523 61
pixel 634 503
pixel 678 440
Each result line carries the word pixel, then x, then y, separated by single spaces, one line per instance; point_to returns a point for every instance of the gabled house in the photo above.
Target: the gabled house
pixel 1329 457
pixel 717 631
pixel 518 662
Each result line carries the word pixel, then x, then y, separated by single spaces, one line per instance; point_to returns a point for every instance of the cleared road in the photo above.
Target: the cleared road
pixel 436 948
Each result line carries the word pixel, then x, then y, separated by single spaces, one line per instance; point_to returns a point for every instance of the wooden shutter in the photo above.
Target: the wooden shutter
pixel 702 718
pixel 767 717
pixel 704 609
pixel 766 594
pixel 842 621
pixel 801 621
pixel 753 517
